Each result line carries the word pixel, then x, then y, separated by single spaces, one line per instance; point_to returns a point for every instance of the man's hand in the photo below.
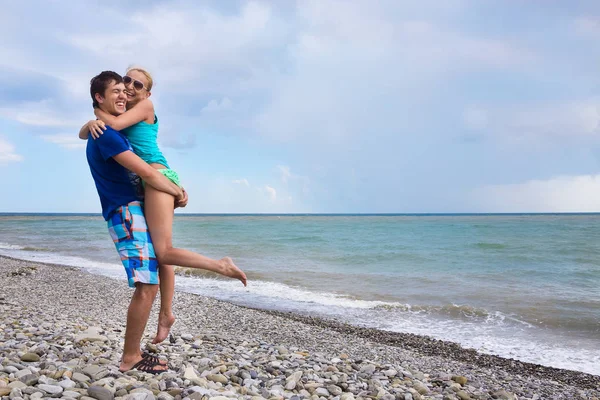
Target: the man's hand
pixel 96 128
pixel 182 202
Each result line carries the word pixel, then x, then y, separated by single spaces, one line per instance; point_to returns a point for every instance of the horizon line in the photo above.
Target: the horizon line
pixel 30 213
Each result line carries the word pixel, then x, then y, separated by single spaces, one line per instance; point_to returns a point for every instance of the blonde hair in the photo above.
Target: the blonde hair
pixel 142 71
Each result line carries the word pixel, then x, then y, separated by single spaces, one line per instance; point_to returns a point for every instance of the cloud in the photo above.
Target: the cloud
pixel 395 62
pixel 285 173
pixel 215 105
pixel 202 48
pixel 579 118
pixel 296 68
pixel 7 152
pixel 221 195
pixel 170 136
pixel 23 86
pixel 475 118
pixel 550 121
pixel 265 196
pixel 66 140
pixel 301 183
pixel 45 113
pixel 243 182
pixel 271 192
pixel 206 52
pixel 587 26
pixel 293 72
pixel 559 194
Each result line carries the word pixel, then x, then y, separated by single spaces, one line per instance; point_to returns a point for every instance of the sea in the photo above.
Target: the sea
pixel 521 286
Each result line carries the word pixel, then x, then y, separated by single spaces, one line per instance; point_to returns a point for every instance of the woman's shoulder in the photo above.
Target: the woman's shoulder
pixel 146 104
pixel 148 107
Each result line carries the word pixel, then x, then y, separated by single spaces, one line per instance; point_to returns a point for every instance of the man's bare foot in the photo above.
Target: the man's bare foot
pixel 165 322
pixel 228 268
pixel 145 364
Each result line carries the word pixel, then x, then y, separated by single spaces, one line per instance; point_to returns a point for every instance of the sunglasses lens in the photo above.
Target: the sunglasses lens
pixel 136 84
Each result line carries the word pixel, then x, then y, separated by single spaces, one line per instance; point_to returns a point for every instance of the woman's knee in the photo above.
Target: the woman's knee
pixel 162 253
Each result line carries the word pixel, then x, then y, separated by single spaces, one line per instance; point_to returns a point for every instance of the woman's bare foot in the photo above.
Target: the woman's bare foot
pixel 165 322
pixel 228 268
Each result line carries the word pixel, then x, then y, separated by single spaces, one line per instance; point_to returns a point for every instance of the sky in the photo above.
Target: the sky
pixel 316 106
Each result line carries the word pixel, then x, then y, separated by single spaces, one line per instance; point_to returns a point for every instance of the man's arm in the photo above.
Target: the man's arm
pixel 142 111
pixel 150 175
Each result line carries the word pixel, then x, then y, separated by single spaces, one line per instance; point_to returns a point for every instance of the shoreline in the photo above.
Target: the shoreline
pixel 429 346
pixel 70 292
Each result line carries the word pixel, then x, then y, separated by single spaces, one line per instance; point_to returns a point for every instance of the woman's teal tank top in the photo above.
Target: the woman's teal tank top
pixel 144 141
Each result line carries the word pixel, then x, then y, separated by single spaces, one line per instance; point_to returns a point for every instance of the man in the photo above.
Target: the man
pixel 112 162
pixel 115 169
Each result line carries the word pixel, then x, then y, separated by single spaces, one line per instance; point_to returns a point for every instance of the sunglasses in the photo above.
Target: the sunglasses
pixel 137 85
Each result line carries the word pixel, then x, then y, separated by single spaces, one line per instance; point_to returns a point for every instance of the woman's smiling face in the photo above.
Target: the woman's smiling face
pixel 135 95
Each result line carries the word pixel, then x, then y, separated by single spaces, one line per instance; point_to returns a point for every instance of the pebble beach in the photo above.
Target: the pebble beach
pixel 61 335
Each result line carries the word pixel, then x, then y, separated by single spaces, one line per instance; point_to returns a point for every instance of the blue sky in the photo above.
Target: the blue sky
pixel 316 106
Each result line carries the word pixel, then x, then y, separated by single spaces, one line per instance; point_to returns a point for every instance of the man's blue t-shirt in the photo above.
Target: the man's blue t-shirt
pixel 116 185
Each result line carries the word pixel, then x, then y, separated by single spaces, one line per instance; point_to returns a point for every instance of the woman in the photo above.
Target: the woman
pixel 140 124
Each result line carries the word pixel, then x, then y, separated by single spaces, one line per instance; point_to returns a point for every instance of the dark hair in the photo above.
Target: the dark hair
pixel 100 82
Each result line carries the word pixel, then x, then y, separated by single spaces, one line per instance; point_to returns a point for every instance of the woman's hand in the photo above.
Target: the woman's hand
pixel 96 128
pixel 183 200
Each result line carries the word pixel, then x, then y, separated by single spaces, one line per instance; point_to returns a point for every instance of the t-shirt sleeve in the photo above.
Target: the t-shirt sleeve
pixel 110 143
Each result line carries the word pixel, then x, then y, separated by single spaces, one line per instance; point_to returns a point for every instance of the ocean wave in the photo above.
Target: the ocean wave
pixel 261 286
pixel 310 239
pixel 490 246
pixel 305 299
pixel 253 276
pixel 454 311
pixel 114 270
pixel 6 246
pixel 31 248
pixel 268 292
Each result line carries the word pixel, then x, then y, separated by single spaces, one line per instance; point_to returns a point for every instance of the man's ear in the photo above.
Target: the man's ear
pixel 99 98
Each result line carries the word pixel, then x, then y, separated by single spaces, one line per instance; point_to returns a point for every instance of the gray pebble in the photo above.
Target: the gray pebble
pixel 29 379
pixel 100 393
pixel 50 389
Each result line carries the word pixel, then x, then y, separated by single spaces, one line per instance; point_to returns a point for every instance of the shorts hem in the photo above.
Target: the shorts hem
pixel 132 282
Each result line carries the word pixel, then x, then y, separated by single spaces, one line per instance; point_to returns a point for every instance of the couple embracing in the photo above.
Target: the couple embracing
pixel 139 193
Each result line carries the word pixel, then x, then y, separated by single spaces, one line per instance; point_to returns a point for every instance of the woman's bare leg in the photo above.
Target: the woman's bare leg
pixel 166 273
pixel 159 208
pixel 166 319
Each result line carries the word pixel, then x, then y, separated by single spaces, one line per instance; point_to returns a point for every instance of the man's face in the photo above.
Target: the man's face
pixel 114 99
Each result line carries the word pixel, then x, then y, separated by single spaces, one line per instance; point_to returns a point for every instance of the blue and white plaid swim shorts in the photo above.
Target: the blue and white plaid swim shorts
pixel 128 229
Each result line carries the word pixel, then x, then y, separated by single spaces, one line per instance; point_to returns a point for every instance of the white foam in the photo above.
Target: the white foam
pixel 276 291
pixel 6 246
pixel 500 336
pixel 113 270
